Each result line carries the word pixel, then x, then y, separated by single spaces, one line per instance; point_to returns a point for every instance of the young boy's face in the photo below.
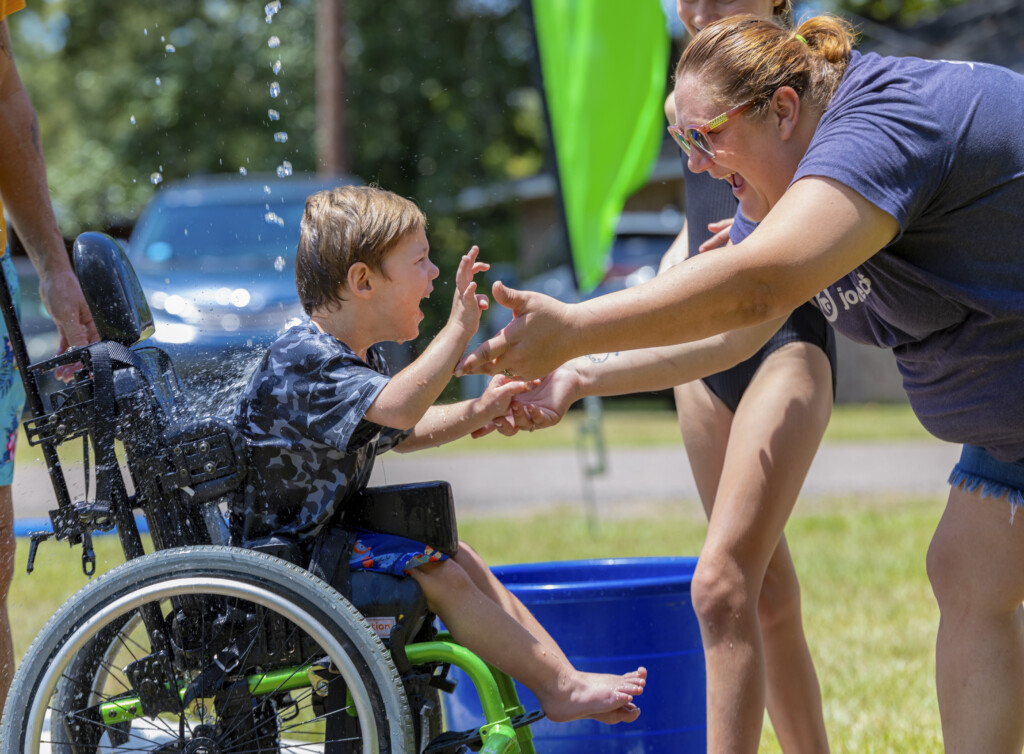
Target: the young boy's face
pixel 410 275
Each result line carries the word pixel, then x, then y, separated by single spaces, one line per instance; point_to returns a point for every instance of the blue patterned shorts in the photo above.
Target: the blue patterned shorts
pixel 388 553
pixel 12 391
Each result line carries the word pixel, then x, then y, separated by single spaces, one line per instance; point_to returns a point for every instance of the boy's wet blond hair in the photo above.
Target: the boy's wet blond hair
pixel 341 227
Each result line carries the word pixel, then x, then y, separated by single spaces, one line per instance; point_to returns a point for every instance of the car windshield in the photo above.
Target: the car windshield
pixel 217 238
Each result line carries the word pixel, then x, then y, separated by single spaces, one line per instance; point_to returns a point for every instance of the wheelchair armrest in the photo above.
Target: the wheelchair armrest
pixel 424 512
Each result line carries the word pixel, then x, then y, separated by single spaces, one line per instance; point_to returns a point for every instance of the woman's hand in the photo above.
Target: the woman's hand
pixel 536 341
pixel 546 403
pixel 720 234
pixel 507 415
pixel 62 296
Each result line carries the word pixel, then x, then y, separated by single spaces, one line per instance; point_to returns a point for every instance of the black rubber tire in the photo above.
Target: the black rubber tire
pixel 70 661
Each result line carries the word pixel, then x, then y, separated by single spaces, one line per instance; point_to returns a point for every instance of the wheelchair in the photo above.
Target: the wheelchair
pixel 200 647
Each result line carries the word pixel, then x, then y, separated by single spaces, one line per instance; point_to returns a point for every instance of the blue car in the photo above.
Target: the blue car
pixel 216 258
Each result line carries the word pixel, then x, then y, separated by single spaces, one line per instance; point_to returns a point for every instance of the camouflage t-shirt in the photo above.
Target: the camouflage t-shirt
pixel 312 448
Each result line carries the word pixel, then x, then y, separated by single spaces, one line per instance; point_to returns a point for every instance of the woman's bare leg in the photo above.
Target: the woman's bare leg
pixel 794 695
pixel 749 469
pixel 976 567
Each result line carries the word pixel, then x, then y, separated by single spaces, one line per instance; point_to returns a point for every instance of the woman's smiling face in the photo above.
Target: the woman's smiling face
pixel 748 150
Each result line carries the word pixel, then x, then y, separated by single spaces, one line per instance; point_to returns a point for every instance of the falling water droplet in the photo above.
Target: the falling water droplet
pixel 276 68
pixel 271 9
pixel 273 42
pixel 284 169
pixel 169 48
pixel 243 171
pixel 279 264
pixel 273 114
pixel 266 189
pixel 275 89
pixel 132 119
pixel 273 218
pixel 281 137
pixel 158 81
pixel 156 178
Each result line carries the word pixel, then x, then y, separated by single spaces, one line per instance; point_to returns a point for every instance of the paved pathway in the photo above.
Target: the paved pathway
pixel 524 482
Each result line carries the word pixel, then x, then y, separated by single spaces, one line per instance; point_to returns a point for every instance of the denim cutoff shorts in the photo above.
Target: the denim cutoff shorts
pixel 978 470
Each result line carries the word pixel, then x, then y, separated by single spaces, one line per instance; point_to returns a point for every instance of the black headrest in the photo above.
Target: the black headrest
pixel 112 291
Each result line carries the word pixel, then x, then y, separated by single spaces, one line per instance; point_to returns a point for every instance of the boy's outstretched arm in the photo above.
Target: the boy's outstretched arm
pixel 408 395
pixel 443 424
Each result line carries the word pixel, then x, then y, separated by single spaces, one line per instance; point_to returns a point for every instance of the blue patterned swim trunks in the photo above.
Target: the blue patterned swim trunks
pixel 387 553
pixel 12 391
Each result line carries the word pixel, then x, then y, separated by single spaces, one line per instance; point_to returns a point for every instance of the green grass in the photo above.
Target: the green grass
pixel 869 614
pixel 634 427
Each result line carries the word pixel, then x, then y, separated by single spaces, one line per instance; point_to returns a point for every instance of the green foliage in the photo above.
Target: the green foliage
pixel 437 96
pixel 125 91
pixel 897 12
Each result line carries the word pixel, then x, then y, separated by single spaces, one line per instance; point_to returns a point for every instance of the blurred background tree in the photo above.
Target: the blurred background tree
pixel 894 13
pixel 439 98
pixel 130 95
pixel 439 93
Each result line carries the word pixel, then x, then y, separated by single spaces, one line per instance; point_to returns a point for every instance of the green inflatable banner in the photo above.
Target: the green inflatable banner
pixel 604 65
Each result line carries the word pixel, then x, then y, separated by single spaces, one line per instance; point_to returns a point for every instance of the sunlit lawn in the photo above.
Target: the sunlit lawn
pixel 631 427
pixel 868 609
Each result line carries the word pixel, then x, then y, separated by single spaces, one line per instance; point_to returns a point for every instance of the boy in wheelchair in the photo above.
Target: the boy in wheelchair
pixel 321 405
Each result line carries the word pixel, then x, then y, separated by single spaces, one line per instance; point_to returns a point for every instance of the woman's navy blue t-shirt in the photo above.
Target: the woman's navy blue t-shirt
pixel 938 145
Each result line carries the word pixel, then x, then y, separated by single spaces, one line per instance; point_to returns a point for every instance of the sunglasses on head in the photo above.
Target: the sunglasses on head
pixel 697 136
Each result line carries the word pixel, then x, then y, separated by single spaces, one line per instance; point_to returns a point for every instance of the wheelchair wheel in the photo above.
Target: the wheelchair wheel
pixel 204 650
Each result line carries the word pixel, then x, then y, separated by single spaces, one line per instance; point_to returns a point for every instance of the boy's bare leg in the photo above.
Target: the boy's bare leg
pixel 481 625
pixel 488 583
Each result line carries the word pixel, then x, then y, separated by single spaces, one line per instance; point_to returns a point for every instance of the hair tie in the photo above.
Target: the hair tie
pixel 802 40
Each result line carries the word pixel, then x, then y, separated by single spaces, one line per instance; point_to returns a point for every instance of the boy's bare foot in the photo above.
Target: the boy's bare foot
pixel 627 713
pixel 601 696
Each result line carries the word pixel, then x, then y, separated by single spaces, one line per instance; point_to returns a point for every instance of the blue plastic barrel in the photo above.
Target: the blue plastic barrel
pixel 611 616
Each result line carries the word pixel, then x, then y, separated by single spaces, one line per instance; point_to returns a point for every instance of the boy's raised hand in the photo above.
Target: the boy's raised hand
pixel 468 304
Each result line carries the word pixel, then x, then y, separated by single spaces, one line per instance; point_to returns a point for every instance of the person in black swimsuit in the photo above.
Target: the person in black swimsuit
pixel 710 203
pixel 773 406
pixel 751 433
